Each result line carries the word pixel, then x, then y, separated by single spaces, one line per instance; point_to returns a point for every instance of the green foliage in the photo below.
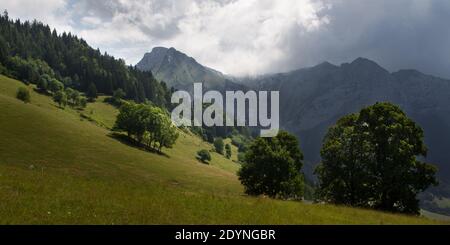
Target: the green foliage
pixel 28 69
pixel 126 119
pixel 161 130
pixel 118 95
pixel 55 85
pixel 72 96
pixel 75 99
pixel 92 92
pixel 3 70
pixel 31 49
pixel 204 156
pixel 241 141
pixel 60 97
pixel 58 163
pixel 273 167
pixel 67 81
pixel 23 94
pixel 228 151
pixel 241 157
pixel 23 69
pixel 146 124
pixel 370 159
pixel 43 82
pixel 218 145
pixel 82 102
pixel 240 135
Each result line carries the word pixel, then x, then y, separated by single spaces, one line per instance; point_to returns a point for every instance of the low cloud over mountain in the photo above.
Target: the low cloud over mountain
pixel 243 37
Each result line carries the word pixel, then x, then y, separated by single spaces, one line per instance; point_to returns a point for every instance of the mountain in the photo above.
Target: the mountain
pixel 79 174
pixel 180 71
pixel 312 99
pixel 30 50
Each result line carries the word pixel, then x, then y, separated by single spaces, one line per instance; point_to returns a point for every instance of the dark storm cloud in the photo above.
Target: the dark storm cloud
pixel 397 34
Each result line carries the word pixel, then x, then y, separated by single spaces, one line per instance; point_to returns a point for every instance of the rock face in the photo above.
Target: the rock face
pixel 312 99
pixel 180 71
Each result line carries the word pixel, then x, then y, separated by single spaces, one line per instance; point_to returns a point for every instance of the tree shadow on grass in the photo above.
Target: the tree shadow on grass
pixel 41 91
pixel 132 143
pixel 59 107
pixel 202 160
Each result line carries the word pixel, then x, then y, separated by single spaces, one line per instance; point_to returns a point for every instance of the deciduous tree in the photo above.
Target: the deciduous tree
pixel 372 159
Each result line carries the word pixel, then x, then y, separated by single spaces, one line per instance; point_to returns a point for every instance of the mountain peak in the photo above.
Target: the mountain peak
pixel 408 72
pixel 159 48
pixel 159 55
pixel 172 50
pixel 363 61
pixel 325 65
pixel 178 69
pixel 363 64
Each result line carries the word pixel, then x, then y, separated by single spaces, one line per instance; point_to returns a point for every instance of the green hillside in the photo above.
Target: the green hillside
pixel 58 167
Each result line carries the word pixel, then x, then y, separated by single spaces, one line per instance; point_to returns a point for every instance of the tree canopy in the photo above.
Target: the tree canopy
pixel 204 156
pixel 371 159
pixel 146 124
pixel 23 94
pixel 272 167
pixel 91 92
pixel 228 151
pixel 61 98
pixel 219 145
pixel 29 50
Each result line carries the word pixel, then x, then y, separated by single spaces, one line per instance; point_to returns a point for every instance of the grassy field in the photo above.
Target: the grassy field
pixel 57 167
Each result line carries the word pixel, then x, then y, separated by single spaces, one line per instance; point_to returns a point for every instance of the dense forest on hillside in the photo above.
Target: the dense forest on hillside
pixel 32 52
pixel 29 50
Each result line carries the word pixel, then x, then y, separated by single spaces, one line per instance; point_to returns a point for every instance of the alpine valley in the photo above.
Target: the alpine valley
pixel 313 98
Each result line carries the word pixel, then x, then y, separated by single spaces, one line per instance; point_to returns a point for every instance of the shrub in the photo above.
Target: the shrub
pixel 55 85
pixel 241 157
pixel 61 98
pixel 23 94
pixel 204 156
pixel 228 151
pixel 218 145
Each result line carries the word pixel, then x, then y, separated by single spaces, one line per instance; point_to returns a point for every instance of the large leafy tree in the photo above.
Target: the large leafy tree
pixel 130 120
pixel 55 85
pixel 371 159
pixel 272 167
pixel 118 95
pixel 43 82
pixel 60 97
pixel 162 133
pixel 147 124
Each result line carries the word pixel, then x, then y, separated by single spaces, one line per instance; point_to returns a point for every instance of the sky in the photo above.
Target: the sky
pixel 251 37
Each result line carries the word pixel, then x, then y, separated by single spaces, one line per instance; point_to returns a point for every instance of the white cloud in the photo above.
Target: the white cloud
pixel 48 11
pixel 237 37
pixel 258 36
pixel 244 36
